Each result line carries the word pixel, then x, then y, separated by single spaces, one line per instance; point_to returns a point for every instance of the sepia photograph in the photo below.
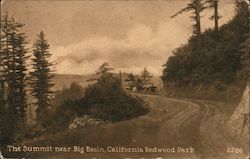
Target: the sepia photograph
pixel 125 79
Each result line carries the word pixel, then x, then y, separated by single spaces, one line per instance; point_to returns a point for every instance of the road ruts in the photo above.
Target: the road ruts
pixel 170 123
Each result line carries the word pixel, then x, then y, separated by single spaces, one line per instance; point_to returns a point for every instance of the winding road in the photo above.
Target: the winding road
pixel 171 123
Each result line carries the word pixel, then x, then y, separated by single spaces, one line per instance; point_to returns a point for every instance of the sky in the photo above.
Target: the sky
pixel 128 34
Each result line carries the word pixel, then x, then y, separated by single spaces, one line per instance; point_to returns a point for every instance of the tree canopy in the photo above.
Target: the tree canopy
pixel 217 60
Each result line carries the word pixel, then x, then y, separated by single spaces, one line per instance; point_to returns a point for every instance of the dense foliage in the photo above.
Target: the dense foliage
pixel 73 92
pixel 139 83
pixel 108 101
pixel 244 74
pixel 219 60
pixel 13 73
pixel 105 99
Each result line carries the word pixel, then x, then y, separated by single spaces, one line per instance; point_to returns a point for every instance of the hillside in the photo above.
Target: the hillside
pixel 218 62
pixel 238 124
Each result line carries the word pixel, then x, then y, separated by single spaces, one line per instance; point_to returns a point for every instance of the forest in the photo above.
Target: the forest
pixel 219 57
pixel 19 78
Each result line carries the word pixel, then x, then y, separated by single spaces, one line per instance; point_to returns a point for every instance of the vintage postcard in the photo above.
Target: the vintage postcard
pixel 125 79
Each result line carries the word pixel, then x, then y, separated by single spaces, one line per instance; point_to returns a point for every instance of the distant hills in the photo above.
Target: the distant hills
pixel 64 80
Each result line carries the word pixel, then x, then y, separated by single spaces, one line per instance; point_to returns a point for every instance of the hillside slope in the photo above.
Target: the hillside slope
pixel 238 124
pixel 218 63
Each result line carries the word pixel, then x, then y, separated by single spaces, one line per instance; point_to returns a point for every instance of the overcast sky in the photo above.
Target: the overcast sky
pixel 130 35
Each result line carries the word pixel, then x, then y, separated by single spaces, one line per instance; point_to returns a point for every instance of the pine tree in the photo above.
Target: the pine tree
pixel 42 77
pixel 215 4
pixel 146 76
pixel 21 73
pixel 104 69
pixel 13 74
pixel 196 6
pixel 5 53
pixel 4 58
pixel 242 17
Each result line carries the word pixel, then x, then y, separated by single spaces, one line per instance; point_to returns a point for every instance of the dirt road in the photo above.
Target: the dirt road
pixel 185 129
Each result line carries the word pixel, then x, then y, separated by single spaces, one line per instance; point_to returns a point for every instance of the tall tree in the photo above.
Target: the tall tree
pixel 196 7
pixel 42 77
pixel 13 73
pixel 214 4
pixel 20 58
pixel 4 65
pixel 242 17
pixel 146 76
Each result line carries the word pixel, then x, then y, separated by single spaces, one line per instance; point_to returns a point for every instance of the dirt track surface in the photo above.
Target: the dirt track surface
pixel 171 123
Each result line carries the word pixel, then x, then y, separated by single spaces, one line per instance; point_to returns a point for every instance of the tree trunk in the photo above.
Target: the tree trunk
pixel 216 19
pixel 198 22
